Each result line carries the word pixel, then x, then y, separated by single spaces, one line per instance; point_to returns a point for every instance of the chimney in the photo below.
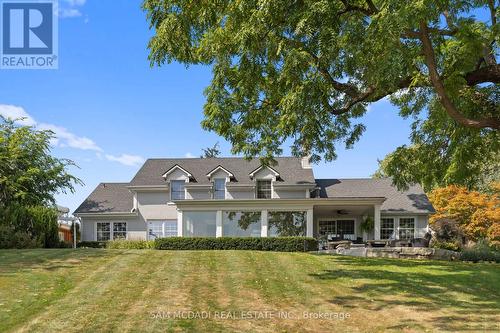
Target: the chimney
pixel 306 162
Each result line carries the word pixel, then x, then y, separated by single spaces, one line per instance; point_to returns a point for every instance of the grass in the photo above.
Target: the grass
pixel 93 290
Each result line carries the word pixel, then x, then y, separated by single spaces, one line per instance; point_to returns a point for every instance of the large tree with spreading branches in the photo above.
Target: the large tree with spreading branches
pixel 305 71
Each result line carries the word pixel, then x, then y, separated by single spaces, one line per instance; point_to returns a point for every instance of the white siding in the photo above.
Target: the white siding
pixel 153 205
pixel 136 229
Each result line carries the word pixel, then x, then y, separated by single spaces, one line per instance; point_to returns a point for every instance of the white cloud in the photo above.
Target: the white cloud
pixel 69 12
pixel 189 155
pixel 64 138
pixel 69 8
pixel 125 159
pixel 15 113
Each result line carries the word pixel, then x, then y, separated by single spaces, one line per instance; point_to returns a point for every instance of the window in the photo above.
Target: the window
pixel 106 231
pixel 241 224
pixel 159 229
pixel 387 228
pixel 327 228
pixel 177 190
pixel 284 224
pixel 219 188
pixel 103 231
pixel 119 230
pixel 406 228
pixel 263 189
pixel 345 227
pixel 199 224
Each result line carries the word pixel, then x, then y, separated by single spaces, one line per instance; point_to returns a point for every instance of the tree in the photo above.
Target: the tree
pixel 29 179
pixel 29 175
pixel 211 152
pixel 477 214
pixel 307 70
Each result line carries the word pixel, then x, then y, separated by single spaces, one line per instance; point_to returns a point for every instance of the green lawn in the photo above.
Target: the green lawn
pixel 119 290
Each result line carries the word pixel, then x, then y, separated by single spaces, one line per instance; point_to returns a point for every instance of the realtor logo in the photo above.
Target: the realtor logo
pixel 29 34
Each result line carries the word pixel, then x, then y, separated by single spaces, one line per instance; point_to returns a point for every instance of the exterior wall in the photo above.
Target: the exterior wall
pixel 289 194
pixel 199 194
pixel 421 223
pixel 219 174
pixel 153 205
pixel 136 229
pixel 240 194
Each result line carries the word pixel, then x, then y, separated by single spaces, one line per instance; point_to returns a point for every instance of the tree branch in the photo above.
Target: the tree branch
pixel 438 85
pixel 483 75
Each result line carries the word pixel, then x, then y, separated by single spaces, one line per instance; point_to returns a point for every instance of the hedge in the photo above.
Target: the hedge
pixel 279 244
pixel 480 254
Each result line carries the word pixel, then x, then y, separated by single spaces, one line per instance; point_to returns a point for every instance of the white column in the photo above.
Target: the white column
pixel 179 223
pixel 264 220
pixel 218 224
pixel 376 220
pixel 310 223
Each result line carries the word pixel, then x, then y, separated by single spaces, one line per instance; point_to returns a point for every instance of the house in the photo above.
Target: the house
pixel 218 197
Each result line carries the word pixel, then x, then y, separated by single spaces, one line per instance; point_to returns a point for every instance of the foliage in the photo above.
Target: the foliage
pixel 452 246
pixel 481 252
pixel 37 223
pixel 368 224
pixel 477 214
pixel 282 244
pixel 211 152
pixel 447 234
pixel 451 155
pixel 29 175
pixel 306 71
pixel 92 244
pixel 130 244
pixel 29 179
pixel 12 239
pixel 287 224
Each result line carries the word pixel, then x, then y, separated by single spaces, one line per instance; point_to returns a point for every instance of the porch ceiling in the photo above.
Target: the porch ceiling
pixel 332 211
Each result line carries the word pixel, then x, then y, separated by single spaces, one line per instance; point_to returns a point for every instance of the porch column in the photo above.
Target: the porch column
pixel 264 220
pixel 376 220
pixel 310 223
pixel 218 224
pixel 179 223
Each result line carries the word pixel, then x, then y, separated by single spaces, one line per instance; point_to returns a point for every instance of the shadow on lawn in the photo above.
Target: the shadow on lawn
pixel 469 292
pixel 12 261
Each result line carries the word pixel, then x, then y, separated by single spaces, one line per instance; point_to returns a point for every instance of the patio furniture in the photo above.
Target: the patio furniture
pixel 332 245
pixel 377 243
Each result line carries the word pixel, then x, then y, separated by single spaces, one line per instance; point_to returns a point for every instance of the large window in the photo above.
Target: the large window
pixel 406 228
pixel 199 224
pixel 263 189
pixel 241 224
pixel 219 188
pixel 106 231
pixel 158 229
pixel 327 227
pixel 177 191
pixel 343 229
pixel 283 224
pixel 387 228
pixel 103 231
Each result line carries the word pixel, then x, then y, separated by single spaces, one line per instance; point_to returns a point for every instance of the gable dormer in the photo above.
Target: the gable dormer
pixel 264 172
pixel 220 172
pixel 177 173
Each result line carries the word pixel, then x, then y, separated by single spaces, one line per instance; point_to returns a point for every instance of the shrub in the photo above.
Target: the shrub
pixel 12 239
pixel 281 244
pixel 92 244
pixel 481 252
pixel 447 235
pixel 453 246
pixel 130 244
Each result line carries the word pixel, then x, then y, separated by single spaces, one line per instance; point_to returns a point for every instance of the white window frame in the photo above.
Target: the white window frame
pixel 393 226
pixel 414 226
pixel 171 187
pixel 336 220
pixel 163 229
pixel 215 188
pixel 257 188
pixel 111 232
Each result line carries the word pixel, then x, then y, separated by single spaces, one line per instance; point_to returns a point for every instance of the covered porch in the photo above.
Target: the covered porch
pixel 343 219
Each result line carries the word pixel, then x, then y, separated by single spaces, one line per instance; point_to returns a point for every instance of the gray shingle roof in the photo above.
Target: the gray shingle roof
pixel 413 200
pixel 289 168
pixel 108 198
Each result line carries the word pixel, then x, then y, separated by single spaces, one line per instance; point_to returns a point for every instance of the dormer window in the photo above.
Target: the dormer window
pixel 219 188
pixel 264 189
pixel 177 190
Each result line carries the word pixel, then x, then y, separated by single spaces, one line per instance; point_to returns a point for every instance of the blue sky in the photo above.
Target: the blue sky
pixel 111 110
